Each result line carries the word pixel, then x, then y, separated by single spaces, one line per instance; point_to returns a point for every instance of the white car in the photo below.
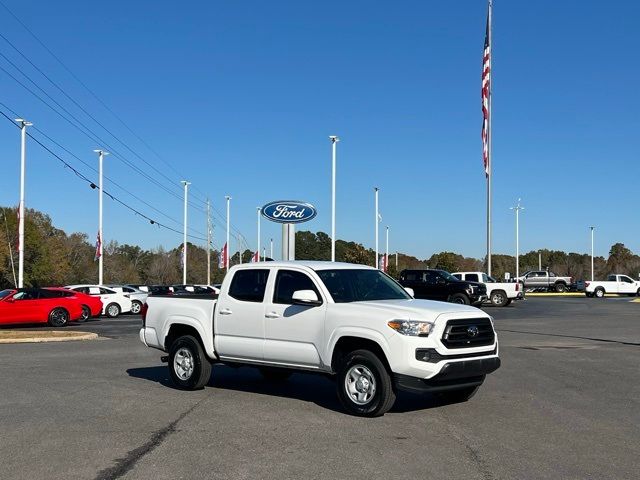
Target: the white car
pixel 113 303
pixel 500 294
pixel 613 284
pixel 138 297
pixel 350 321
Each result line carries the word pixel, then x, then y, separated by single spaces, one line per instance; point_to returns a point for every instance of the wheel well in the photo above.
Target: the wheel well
pixel 349 344
pixel 178 330
pixel 600 288
pixel 58 308
pixel 499 290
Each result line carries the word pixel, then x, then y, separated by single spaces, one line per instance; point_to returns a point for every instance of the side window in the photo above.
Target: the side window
pixel 413 276
pixel 430 278
pixel 611 278
pixel 106 291
pixel 626 279
pixel 287 282
pixel 458 276
pixel 25 295
pixel 49 294
pixel 486 278
pixel 249 285
pixel 472 277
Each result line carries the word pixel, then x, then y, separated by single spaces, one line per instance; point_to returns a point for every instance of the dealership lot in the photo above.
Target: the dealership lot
pixel 565 404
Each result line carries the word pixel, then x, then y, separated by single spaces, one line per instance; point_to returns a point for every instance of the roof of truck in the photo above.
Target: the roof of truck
pixel 313 264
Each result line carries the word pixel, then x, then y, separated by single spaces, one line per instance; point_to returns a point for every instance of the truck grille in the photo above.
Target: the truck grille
pixel 468 332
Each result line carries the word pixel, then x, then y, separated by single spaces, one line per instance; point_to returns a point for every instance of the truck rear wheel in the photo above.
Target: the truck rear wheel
pixel 599 292
pixel 364 384
pixel 189 366
pixel 561 287
pixel 499 298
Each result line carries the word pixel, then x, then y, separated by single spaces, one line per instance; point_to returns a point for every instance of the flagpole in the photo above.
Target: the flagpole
pixel 184 233
pixel 101 154
pixel 376 190
pixel 334 140
pixel 23 147
pixel 490 163
pixel 208 242
pixel 226 260
pixel 259 215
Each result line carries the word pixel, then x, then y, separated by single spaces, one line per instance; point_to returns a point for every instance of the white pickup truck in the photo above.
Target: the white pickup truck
pixel 351 322
pixel 613 284
pixel 499 294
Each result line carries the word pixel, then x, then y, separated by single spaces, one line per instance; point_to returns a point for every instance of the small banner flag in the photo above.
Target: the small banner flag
pixel 98 244
pixel 222 258
pixel 255 257
pixel 383 262
pixel 18 240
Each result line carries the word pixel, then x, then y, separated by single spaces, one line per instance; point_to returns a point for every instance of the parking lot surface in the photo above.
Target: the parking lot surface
pixel 565 404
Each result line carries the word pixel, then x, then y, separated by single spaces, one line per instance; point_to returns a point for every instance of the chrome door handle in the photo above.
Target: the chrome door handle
pixel 272 315
pixel 225 311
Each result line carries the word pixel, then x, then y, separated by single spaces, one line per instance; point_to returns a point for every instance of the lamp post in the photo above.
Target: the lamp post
pixel 228 198
pixel 184 234
pixel 23 160
pixel 259 215
pixel 592 229
pixel 334 141
pixel 386 251
pixel 101 155
pixel 377 220
pixel 517 209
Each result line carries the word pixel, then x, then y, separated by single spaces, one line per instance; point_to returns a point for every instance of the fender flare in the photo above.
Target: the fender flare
pixel 207 341
pixel 358 332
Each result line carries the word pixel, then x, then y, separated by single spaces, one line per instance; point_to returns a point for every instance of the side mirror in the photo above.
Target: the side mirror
pixel 410 291
pixel 307 298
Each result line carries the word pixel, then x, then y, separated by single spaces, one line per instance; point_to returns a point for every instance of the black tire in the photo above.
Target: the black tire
pixel 638 293
pixel 136 307
pixel 457 396
pixel 275 374
pixel 369 365
pixel 599 292
pixel 560 287
pixel 112 310
pixel 86 314
pixel 189 367
pixel 499 298
pixel 58 317
pixel 459 298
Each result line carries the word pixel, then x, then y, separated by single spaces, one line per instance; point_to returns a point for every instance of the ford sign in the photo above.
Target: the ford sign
pixel 289 211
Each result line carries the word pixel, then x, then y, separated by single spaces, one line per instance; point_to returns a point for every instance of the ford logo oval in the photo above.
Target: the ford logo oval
pixel 289 211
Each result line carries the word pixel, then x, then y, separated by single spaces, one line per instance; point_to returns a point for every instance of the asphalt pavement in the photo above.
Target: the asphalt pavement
pixel 565 404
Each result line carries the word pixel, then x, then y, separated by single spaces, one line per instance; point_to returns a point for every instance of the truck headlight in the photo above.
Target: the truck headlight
pixel 411 327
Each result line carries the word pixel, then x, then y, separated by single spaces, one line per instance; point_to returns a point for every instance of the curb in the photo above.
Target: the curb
pixel 52 337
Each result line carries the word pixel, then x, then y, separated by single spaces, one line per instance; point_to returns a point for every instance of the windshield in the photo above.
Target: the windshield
pixel 447 276
pixel 350 285
pixel 5 293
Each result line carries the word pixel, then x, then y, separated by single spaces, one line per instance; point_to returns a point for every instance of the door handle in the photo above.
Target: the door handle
pixel 272 315
pixel 225 311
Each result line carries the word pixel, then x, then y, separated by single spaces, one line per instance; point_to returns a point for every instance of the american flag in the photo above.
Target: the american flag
pixel 98 243
pixel 486 93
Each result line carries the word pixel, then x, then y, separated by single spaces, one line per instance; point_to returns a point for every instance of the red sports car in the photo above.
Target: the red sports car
pixel 91 305
pixel 38 305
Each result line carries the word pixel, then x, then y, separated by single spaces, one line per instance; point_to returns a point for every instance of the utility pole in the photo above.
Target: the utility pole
pixel 517 209
pixel 184 242
pixel 592 229
pixel 376 190
pixel 334 141
pixel 228 198
pixel 208 242
pixel 259 215
pixel 23 159
pixel 101 155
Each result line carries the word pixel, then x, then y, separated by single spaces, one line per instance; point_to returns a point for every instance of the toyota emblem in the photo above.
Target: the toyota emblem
pixel 472 331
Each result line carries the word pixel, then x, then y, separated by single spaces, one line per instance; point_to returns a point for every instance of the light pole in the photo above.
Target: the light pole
pixel 101 155
pixel 334 141
pixel 23 159
pixel 376 190
pixel 517 209
pixel 386 252
pixel 226 260
pixel 208 242
pixel 184 234
pixel 592 229
pixel 259 215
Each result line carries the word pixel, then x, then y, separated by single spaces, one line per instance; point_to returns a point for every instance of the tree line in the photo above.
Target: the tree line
pixel 53 257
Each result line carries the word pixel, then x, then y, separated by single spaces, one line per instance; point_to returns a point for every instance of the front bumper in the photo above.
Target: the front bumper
pixel 452 376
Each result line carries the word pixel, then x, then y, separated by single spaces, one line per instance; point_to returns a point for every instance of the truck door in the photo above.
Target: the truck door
pixel 626 285
pixel 293 332
pixel 239 317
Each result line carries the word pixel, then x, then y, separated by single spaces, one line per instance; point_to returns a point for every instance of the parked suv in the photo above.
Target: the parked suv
pixel 441 285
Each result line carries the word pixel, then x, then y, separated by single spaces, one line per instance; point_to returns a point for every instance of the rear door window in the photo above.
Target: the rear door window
pixel 471 277
pixel 249 285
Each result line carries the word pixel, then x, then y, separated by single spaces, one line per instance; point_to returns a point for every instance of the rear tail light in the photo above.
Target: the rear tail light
pixel 586 284
pixel 143 312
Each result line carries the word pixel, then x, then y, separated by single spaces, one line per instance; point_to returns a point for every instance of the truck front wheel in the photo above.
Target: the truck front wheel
pixel 189 366
pixel 364 384
pixel 460 298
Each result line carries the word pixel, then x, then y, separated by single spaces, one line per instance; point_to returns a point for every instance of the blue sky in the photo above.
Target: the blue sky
pixel 240 98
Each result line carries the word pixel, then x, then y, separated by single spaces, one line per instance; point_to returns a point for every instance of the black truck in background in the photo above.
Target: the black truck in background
pixel 440 285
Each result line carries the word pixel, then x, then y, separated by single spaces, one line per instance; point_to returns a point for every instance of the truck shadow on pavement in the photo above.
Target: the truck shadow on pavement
pixel 307 387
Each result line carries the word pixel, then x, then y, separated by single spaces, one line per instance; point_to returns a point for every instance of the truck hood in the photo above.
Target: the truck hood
pixel 418 309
